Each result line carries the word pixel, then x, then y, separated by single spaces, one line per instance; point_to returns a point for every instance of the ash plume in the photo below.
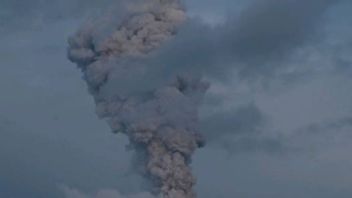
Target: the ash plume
pixel 159 117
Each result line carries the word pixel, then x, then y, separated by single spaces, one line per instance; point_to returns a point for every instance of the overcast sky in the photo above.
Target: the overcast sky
pixel 278 115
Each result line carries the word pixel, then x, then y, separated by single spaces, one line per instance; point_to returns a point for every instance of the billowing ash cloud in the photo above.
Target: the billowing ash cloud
pixel 159 117
pixel 148 84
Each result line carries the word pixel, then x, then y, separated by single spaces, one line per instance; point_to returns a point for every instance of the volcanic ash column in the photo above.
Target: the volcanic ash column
pixel 160 119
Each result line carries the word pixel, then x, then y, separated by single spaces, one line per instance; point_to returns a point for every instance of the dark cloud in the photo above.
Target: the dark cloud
pixel 270 28
pixel 257 43
pixel 268 33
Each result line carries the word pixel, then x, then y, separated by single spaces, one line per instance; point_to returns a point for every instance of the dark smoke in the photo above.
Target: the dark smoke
pixel 148 84
pixel 159 119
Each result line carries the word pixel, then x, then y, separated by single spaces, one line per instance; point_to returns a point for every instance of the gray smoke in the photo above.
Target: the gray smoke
pixel 135 69
pixel 158 116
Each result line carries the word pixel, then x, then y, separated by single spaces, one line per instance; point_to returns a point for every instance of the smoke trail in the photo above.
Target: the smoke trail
pixel 160 118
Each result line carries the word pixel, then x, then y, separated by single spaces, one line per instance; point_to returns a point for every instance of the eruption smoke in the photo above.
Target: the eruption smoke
pixel 160 118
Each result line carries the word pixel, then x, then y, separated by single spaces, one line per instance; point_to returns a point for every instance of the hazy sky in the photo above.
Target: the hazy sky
pixel 278 116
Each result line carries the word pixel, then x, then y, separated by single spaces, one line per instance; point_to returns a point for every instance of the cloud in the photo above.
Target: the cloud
pixel 49 105
pixel 272 28
pixel 257 43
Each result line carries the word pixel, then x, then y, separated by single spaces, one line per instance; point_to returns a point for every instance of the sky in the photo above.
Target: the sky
pixel 277 116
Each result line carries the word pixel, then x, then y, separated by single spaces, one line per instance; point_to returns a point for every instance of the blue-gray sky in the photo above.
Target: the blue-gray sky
pixel 278 115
